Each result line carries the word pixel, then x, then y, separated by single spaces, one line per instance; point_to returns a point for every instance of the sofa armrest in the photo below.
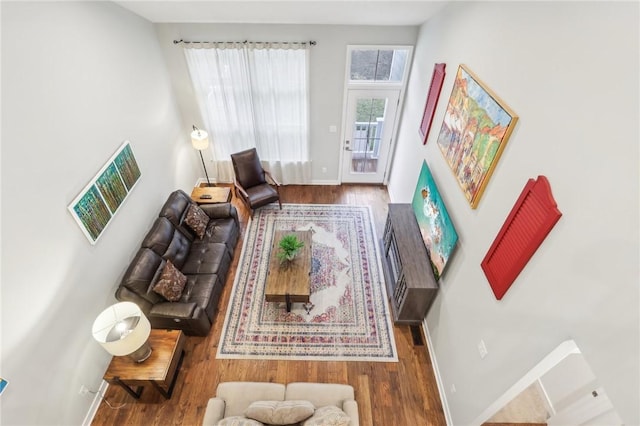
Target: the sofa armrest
pixel 187 317
pixel 351 408
pixel 123 294
pixel 173 310
pixel 220 210
pixel 214 412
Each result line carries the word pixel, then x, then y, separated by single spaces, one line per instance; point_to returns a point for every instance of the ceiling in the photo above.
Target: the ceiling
pixel 341 12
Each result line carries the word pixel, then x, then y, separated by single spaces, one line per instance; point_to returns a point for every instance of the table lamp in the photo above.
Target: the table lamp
pixel 123 329
pixel 200 141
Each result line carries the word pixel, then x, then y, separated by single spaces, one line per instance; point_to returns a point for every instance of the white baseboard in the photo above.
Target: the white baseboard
pixel 97 399
pixel 324 182
pixel 436 372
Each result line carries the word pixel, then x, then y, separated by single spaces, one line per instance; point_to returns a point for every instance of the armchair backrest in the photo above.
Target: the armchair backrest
pixel 247 167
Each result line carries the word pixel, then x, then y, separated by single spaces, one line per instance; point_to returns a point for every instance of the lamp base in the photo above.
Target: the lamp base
pixel 142 353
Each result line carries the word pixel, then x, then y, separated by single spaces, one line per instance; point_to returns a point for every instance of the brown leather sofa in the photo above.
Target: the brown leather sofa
pixel 205 263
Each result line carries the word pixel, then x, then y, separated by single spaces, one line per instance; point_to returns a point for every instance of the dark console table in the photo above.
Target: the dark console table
pixel 410 281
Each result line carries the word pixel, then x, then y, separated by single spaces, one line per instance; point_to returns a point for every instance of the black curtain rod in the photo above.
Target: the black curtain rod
pixel 311 43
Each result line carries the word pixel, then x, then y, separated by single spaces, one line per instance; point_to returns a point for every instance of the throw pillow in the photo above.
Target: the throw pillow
pixel 280 412
pixel 328 416
pixel 171 283
pixel 197 220
pixel 238 421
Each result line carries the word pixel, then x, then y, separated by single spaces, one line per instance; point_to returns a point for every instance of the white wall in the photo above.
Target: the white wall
pixel 78 78
pixel 570 377
pixel 327 72
pixel 570 71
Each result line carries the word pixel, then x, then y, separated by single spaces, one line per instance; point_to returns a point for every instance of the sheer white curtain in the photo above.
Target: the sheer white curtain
pixel 254 95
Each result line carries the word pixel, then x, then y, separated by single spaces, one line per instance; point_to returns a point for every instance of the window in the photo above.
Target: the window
pixel 254 95
pixel 378 65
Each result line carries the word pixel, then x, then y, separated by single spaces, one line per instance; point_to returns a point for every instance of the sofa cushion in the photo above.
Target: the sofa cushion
pixel 222 231
pixel 141 273
pixel 238 421
pixel 320 394
pixel 175 210
pixel 197 220
pixel 280 412
pixel 159 236
pixel 239 395
pixel 165 240
pixel 328 416
pixel 179 249
pixel 207 258
pixel 204 290
pixel 171 283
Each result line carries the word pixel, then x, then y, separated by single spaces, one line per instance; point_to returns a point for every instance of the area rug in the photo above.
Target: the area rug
pixel 350 318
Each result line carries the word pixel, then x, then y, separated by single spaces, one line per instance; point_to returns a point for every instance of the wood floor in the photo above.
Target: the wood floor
pixel 398 394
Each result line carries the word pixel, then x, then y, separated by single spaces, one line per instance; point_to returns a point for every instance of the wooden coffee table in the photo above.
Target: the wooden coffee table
pixel 160 369
pixel 290 282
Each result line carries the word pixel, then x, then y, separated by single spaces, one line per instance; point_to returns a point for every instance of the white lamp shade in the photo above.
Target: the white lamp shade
pixel 199 139
pixel 113 316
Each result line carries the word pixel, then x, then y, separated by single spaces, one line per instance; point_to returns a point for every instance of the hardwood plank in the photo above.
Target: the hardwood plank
pixel 402 393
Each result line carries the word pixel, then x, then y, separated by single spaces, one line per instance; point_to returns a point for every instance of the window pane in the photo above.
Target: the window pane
pixel 378 65
pixel 397 65
pixel 367 134
pixel 385 57
pixel 363 64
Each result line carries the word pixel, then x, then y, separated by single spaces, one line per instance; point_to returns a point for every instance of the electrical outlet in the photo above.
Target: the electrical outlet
pixel 83 390
pixel 453 388
pixel 482 349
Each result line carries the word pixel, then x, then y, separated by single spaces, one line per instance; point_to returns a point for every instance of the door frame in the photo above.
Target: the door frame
pixel 562 351
pixel 348 130
pixel 348 85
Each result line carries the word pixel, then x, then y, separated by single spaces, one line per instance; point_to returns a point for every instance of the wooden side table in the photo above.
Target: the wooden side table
pixel 160 369
pixel 219 194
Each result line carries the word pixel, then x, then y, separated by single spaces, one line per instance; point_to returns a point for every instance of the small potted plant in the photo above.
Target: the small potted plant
pixel 289 247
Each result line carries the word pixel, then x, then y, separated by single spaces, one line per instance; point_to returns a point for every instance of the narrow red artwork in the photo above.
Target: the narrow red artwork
pixel 432 100
pixel 533 216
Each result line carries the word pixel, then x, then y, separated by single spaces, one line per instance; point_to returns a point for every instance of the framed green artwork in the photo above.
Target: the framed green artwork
pixel 99 201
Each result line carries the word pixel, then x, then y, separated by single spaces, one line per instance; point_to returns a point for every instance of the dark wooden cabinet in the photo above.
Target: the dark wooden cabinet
pixel 410 281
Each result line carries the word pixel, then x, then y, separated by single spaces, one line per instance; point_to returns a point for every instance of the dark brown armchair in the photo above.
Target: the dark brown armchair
pixel 250 181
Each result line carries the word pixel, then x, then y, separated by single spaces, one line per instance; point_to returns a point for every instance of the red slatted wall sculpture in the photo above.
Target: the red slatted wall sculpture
pixel 432 100
pixel 531 219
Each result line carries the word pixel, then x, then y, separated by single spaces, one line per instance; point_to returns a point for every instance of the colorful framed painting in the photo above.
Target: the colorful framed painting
pixel 437 78
pixel 474 132
pixel 99 201
pixel 437 230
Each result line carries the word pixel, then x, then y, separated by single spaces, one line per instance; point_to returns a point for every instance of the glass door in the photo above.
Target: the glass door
pixel 370 121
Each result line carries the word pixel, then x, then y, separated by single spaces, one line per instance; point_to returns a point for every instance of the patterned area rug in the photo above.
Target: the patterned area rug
pixel 350 318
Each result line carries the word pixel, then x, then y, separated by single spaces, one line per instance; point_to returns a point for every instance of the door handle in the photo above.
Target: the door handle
pixel 346 146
